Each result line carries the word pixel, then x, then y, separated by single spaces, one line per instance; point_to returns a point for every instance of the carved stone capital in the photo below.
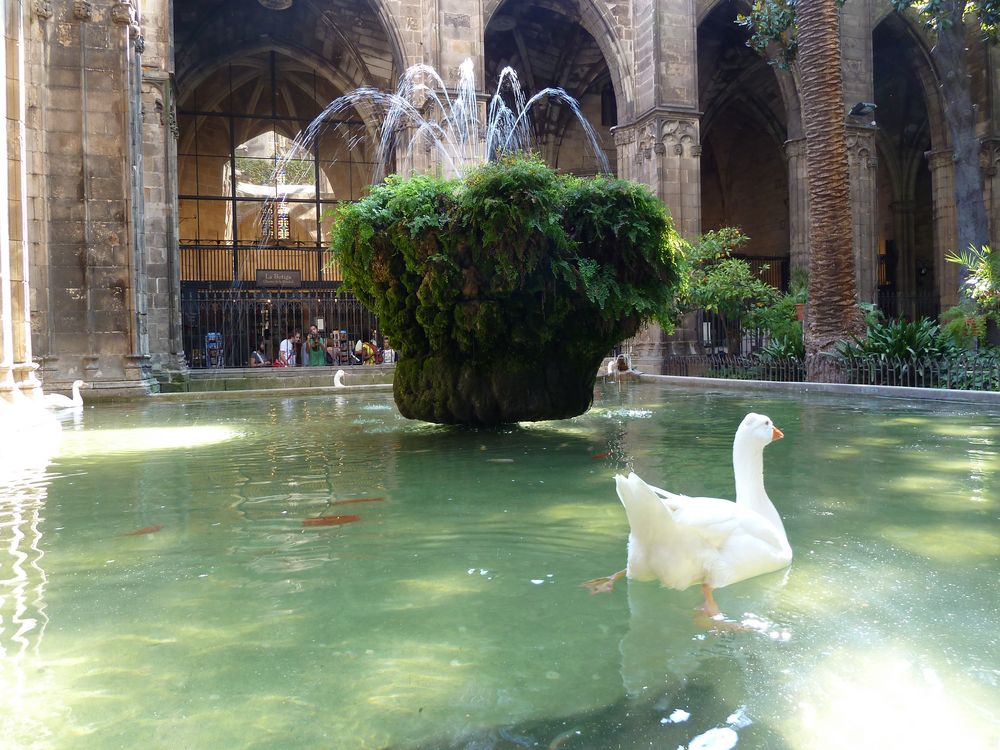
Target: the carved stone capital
pixel 83 10
pixel 861 148
pixel 43 9
pixel 123 13
pixel 680 135
pixel 941 159
pixel 623 136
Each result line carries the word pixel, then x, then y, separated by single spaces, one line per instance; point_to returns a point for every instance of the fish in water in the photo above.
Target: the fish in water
pixel 330 520
pixel 601 456
pixel 351 500
pixel 146 530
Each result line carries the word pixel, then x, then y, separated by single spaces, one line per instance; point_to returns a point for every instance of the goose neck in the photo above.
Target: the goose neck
pixel 748 469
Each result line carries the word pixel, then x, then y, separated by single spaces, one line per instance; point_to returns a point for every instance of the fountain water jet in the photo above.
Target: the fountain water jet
pixel 506 283
pixel 449 123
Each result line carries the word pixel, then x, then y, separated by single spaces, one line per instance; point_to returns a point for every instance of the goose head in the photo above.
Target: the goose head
pixel 757 430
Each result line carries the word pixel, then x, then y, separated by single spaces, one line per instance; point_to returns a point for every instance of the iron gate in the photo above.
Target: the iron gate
pixel 222 326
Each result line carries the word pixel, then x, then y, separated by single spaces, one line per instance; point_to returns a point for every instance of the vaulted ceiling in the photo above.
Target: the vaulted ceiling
pixel 342 41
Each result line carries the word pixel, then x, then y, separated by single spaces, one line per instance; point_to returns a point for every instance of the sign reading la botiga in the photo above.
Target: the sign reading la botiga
pixel 269 278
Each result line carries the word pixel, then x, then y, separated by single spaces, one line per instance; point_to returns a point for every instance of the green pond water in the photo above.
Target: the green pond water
pixel 163 587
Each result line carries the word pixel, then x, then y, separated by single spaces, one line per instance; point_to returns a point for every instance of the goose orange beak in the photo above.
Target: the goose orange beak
pixel 776 434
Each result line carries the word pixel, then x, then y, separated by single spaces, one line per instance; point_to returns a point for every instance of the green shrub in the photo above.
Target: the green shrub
pixel 783 327
pixel 963 324
pixel 899 340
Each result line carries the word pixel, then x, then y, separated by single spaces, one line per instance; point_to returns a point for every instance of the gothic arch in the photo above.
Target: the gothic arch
pixel 361 37
pixel 333 76
pixel 926 71
pixel 606 33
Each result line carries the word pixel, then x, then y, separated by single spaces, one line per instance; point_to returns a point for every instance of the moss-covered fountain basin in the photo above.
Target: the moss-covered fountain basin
pixel 505 289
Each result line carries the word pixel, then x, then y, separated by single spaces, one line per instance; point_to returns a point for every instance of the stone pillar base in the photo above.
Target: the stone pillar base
pixel 129 376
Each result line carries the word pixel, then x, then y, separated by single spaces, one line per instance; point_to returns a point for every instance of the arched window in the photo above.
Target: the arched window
pixel 251 198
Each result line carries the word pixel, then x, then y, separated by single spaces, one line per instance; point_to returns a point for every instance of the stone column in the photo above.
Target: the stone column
pixel 862 163
pixel 856 52
pixel 159 175
pixel 7 286
pixel 942 169
pixel 16 365
pixel 88 166
pixel 661 145
pixel 663 151
pixel 903 227
pixel 798 204
pixel 991 184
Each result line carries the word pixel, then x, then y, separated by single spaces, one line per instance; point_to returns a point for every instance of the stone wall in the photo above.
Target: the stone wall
pixel 16 366
pixel 89 314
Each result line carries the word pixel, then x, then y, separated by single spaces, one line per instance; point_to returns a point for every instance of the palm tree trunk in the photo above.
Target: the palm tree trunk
pixel 833 311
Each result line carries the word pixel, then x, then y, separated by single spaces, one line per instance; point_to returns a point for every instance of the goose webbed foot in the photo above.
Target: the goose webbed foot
pixel 709 607
pixel 603 585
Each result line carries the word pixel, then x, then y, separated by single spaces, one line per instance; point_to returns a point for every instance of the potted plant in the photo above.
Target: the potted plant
pixel 798 290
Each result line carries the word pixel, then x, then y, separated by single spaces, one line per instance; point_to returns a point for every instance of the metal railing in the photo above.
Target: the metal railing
pixel 970 371
pixel 735 367
pixel 222 326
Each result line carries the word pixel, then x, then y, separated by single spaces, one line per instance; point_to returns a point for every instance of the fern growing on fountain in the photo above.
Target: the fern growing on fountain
pixel 505 289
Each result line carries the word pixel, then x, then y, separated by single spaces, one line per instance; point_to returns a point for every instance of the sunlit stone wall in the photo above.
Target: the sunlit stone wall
pixel 88 241
pixel 16 368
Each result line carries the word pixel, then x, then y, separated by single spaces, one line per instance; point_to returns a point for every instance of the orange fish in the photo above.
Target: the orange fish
pixel 601 456
pixel 330 520
pixel 357 500
pixel 146 530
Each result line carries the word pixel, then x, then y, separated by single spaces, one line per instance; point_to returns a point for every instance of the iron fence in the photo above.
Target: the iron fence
pixel 222 326
pixel 968 372
pixel 736 367
pixel 971 371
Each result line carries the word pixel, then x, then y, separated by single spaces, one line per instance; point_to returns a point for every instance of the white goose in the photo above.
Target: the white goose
pixel 683 540
pixel 59 401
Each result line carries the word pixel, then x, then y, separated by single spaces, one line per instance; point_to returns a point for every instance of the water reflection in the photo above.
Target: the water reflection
pixel 450 614
pixel 24 458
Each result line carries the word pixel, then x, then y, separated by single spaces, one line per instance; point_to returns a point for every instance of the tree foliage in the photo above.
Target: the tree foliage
pixel 717 282
pixel 503 276
pixel 937 14
pixel 773 32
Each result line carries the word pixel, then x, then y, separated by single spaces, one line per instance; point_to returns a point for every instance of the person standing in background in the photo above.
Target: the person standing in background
pixel 289 348
pixel 315 348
